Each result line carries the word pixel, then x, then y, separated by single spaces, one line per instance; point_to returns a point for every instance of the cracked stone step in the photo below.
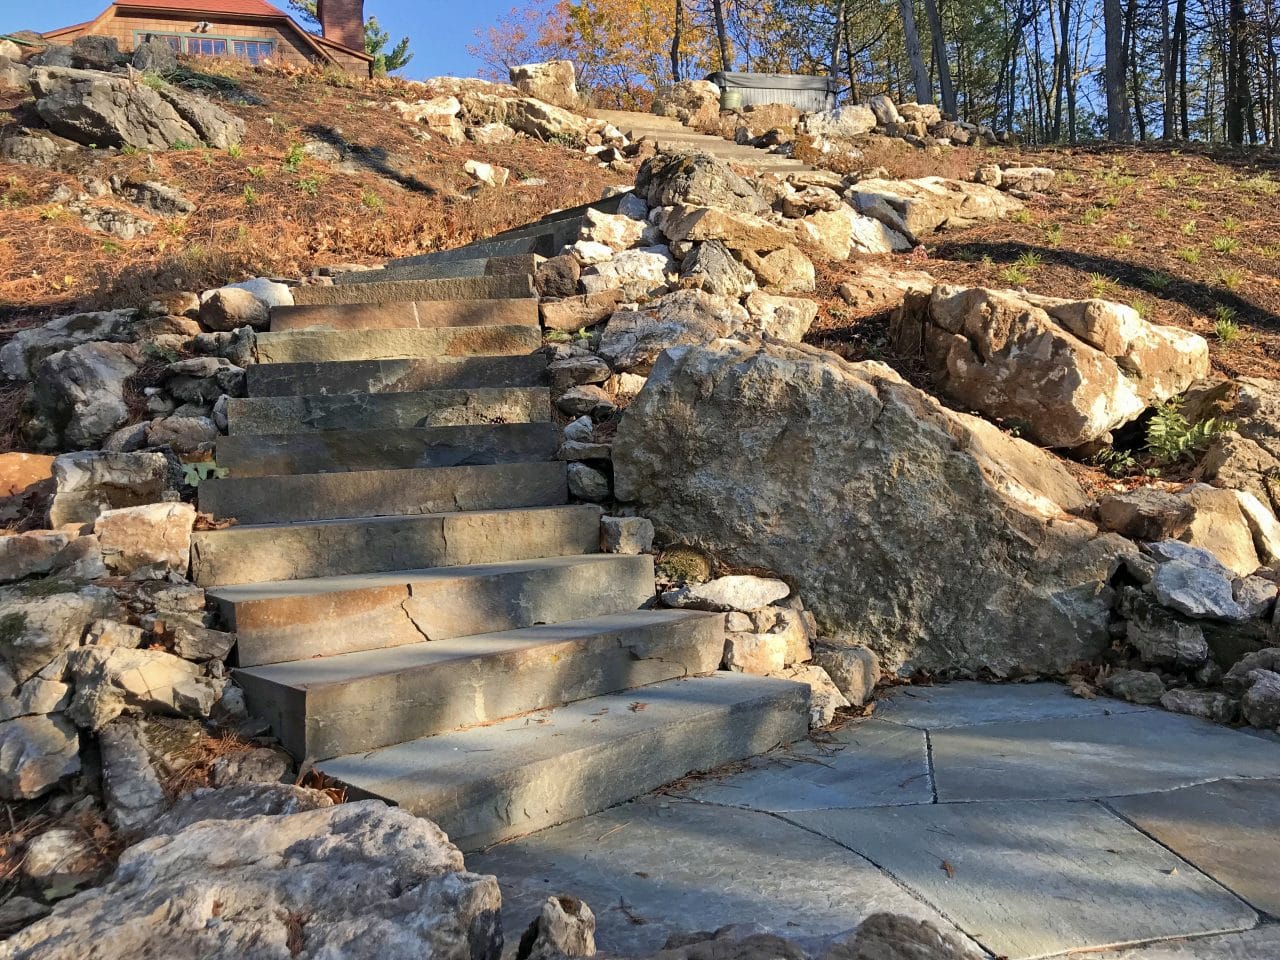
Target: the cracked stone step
pixel 287 620
pixel 255 553
pixel 382 493
pixel 337 451
pixel 518 264
pixel 391 411
pixel 491 783
pixel 394 376
pixel 500 287
pixel 406 315
pixel 323 346
pixel 328 706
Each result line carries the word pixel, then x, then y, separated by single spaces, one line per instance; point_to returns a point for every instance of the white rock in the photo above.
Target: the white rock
pixel 739 592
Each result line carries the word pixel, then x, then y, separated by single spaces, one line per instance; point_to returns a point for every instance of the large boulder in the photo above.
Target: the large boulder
pixel 928 535
pixel 35 753
pixel 545 121
pixel 80 395
pixel 694 178
pixel 553 82
pixel 1249 458
pixel 692 102
pixel 847 122
pixel 633 339
pixel 92 481
pixel 916 208
pixel 736 230
pixel 1066 372
pixel 111 110
pixel 23 354
pixel 841 232
pixel 356 879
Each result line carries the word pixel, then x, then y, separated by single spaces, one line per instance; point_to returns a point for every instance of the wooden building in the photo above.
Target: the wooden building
pixel 252 30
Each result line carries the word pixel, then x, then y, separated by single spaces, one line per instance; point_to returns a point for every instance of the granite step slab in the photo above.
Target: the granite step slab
pixel 498 266
pixel 500 287
pixel 381 493
pixel 491 783
pixel 325 346
pixel 338 451
pixel 326 706
pixel 406 315
pixel 388 411
pixel 257 553
pixel 392 376
pixel 286 620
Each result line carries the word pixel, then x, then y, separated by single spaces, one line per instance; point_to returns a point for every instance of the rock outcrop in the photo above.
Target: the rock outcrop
pixel 925 534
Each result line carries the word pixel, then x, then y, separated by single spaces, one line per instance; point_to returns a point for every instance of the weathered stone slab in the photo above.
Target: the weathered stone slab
pixel 868 764
pixel 394 411
pixel 682 867
pixel 454 288
pixel 257 553
pixel 383 493
pixel 1093 757
pixel 422 315
pixel 322 346
pixel 392 376
pixel 516 264
pixel 967 703
pixel 505 780
pixel 333 705
pixel 330 451
pixel 1229 829
pixel 1037 879
pixel 1251 945
pixel 296 619
pixel 538 244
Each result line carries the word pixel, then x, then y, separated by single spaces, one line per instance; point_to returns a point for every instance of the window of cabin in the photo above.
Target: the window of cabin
pixel 255 51
pixel 172 39
pixel 206 46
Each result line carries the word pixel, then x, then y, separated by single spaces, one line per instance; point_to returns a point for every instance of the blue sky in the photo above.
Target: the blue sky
pixel 439 29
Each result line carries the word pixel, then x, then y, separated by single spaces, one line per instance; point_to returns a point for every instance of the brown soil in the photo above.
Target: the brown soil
pixel 261 210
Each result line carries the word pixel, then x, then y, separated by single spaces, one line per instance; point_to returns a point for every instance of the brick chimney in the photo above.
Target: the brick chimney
pixel 342 21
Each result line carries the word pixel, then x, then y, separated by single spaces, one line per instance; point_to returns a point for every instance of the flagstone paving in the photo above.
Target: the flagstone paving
pixel 1037 823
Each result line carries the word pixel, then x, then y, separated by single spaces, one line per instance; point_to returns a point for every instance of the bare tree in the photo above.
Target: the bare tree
pixel 676 37
pixel 939 38
pixel 911 40
pixel 1115 69
pixel 722 35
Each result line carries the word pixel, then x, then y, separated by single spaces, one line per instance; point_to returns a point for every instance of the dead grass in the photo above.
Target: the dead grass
pixel 264 209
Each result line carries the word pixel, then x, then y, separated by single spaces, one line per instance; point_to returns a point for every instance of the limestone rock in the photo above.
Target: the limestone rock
pixel 626 535
pixel 1161 638
pixel 695 179
pixel 239 802
pixel 879 288
pixel 545 121
pixel 1240 676
pixel 155 55
pixel 438 114
pixel 91 482
pixel 487 173
pixel 23 354
pixel 892 936
pixel 1197 591
pixel 633 339
pixel 740 232
pixel 1067 372
pixel 855 670
pixel 710 267
pixel 110 681
pixel 35 697
pixel 916 208
pixel 348 880
pixel 1145 513
pixel 825 698
pixel 79 395
pixel 147 542
pixel 846 122
pixel 783 318
pixel 842 232
pixel 613 230
pixel 739 592
pixel 182 435
pixel 1219 526
pixel 230 308
pixel 1205 704
pixel 110 110
pixel 692 102
pixel 565 927
pixel 1135 686
pixel 761 654
pixel 588 483
pixel 782 271
pixel 1260 704
pixel 14 75
pixel 558 277
pixel 63 858
pixel 554 81
pixel 131 787
pixel 583 400
pixel 637 274
pixel 1026 179
pixel 37 628
pixel 28 554
pixel 899 494
pixel 35 753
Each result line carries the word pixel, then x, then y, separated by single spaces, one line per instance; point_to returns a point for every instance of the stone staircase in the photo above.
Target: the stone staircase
pixel 669 133
pixel 419 609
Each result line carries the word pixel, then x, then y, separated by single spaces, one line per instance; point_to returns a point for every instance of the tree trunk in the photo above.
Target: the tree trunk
pixel 1061 66
pixel 1180 51
pixel 676 37
pixel 833 69
pixel 1114 70
pixel 919 72
pixel 722 37
pixel 1236 88
pixel 1131 58
pixel 940 55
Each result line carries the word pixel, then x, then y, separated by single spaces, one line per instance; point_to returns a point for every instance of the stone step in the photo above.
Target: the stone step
pixel 522 264
pixel 324 346
pixel 494 782
pixel 286 620
pixel 383 493
pixel 500 287
pixel 254 553
pixel 336 451
pixel 394 376
pixel 406 315
pixel 388 411
pixel 355 702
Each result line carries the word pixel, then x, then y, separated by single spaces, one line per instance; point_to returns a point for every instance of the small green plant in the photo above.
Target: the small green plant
pixel 1194 179
pixel 1163 213
pixel 371 200
pixel 250 196
pixel 1099 286
pixel 1092 216
pixel 309 185
pixel 1015 274
pixel 1225 244
pixel 1053 234
pixel 182 145
pixel 1269 250
pixel 1189 228
pixel 1142 308
pixel 1068 177
pixel 1172 438
pixel 293 159
pixel 1030 260
pixel 1122 240
pixel 129 150
pixel 1157 281
pixel 1189 254
pixel 235 151
pixel 1230 224
pixel 154 80
pixel 1194 205
pixel 1110 201
pixel 1225 326
pixel 1231 279
pixel 1022 216
pixel 1263 185
pixel 194 474
pixel 55 211
pixel 1118 463
pixel 257 172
